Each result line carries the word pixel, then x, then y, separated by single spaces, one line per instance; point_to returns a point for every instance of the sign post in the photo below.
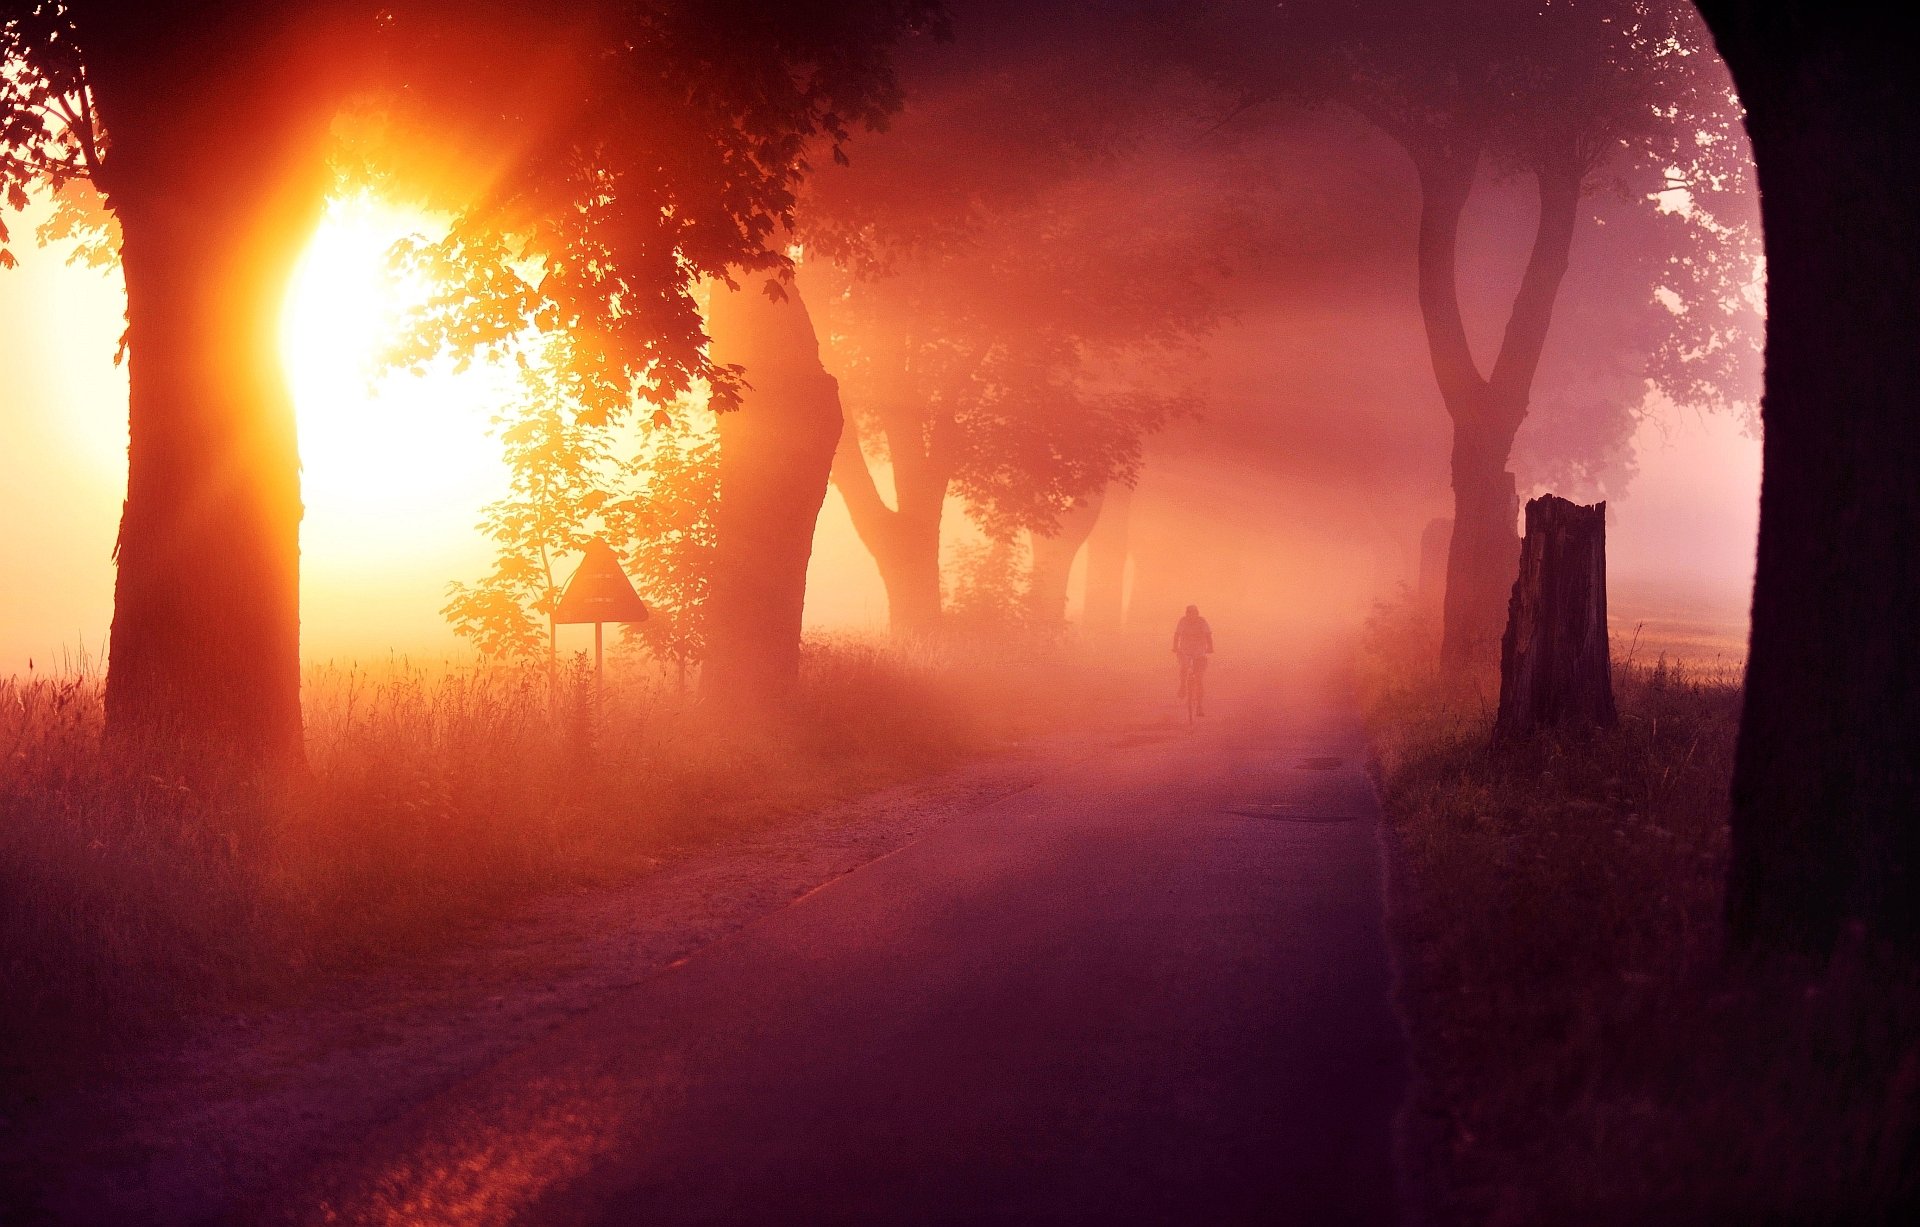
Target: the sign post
pixel 599 592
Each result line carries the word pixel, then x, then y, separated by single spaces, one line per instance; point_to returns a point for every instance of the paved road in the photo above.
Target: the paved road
pixel 1152 988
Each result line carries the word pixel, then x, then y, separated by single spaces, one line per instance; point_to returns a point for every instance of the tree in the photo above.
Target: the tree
pixel 212 214
pixel 1829 751
pixel 981 273
pixel 648 489
pixel 775 456
pixel 566 479
pixel 1018 368
pixel 1053 556
pixel 1574 97
pixel 624 150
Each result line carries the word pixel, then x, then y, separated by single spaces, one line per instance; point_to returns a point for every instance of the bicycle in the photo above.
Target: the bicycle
pixel 1193 684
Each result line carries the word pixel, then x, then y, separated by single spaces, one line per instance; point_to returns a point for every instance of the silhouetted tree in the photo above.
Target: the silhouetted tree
pixel 1018 371
pixel 1053 555
pixel 1576 97
pixel 1016 363
pixel 982 273
pixel 775 456
pixel 1828 763
pixel 623 150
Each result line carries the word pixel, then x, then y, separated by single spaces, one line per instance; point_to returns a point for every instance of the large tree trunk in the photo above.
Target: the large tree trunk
pixel 1486 410
pixel 1828 766
pixel 217 176
pixel 1053 557
pixel 904 541
pixel 1107 550
pixel 1483 553
pixel 776 455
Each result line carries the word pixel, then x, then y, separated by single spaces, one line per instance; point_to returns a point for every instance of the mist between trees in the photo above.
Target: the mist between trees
pixel 1008 247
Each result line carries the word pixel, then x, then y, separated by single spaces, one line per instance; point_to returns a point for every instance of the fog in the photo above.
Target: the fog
pixel 1286 496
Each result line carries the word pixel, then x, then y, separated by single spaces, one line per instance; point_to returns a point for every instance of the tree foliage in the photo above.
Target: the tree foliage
pixel 646 147
pixel 648 490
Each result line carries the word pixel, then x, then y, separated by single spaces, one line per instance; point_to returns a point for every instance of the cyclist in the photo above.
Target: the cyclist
pixel 1192 644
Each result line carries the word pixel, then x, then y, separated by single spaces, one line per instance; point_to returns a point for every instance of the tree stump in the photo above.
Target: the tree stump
pixel 1555 666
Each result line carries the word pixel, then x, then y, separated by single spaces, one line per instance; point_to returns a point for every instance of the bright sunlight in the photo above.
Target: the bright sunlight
pixel 396 466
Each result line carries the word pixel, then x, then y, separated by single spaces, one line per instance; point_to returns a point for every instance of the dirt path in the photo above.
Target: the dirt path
pixel 1138 972
pixel 249 1098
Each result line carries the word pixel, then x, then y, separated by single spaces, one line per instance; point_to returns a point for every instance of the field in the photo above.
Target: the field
pixel 437 797
pixel 1585 1048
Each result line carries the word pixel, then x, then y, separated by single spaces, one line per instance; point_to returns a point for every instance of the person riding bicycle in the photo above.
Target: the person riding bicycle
pixel 1192 644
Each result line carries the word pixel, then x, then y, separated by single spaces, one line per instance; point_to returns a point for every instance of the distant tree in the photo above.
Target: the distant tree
pixel 648 489
pixel 1053 555
pixel 977 275
pixel 669 537
pixel 1017 364
pixel 565 479
pixel 624 150
pixel 980 373
pixel 1576 97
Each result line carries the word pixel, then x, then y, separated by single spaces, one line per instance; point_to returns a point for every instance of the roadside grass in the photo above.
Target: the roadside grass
pixel 438 796
pixel 1585 1050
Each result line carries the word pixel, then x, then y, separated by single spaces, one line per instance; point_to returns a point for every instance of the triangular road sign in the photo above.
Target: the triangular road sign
pixel 600 591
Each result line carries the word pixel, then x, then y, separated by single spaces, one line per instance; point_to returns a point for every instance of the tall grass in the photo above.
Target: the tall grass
pixel 1586 1050
pixel 437 796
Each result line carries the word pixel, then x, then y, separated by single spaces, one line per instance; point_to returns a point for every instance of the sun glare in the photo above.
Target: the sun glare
pixel 396 465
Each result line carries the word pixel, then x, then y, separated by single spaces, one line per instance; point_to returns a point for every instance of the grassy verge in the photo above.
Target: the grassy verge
pixel 1585 1051
pixel 437 797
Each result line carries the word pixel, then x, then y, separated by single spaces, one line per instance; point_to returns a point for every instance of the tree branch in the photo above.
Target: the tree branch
pixel 872 518
pixel 1445 182
pixel 1559 186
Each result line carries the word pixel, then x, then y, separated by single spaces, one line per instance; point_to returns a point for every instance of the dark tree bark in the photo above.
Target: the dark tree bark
pixel 1486 410
pixel 1107 550
pixel 776 456
pixel 904 539
pixel 1828 765
pixel 1555 667
pixel 217 176
pixel 1053 560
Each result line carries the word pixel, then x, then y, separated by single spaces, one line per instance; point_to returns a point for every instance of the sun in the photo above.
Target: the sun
pixel 396 466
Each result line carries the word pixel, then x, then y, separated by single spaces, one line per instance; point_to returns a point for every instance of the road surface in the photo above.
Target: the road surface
pixel 1153 987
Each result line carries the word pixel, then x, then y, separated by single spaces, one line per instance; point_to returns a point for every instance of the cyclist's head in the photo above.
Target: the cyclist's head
pixel 1193 611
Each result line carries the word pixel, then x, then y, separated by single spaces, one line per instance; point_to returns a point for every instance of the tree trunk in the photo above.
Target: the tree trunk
pixel 1555 666
pixel 1435 542
pixel 1483 553
pixel 1828 764
pixel 1486 410
pixel 1107 550
pixel 776 455
pixel 905 543
pixel 1053 561
pixel 217 176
